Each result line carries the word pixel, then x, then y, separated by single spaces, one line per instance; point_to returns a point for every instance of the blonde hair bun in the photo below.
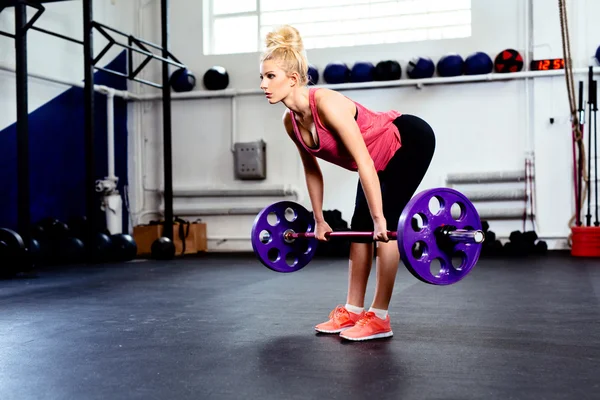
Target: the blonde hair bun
pixel 284 45
pixel 285 36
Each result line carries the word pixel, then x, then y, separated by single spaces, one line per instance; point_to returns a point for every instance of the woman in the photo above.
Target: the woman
pixel 391 153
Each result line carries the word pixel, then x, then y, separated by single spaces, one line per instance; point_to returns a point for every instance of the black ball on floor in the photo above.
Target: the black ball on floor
pixel 102 247
pixel 78 226
pixel 71 250
pixel 59 230
pixel 50 228
pixel 163 248
pixel 34 251
pixel 124 247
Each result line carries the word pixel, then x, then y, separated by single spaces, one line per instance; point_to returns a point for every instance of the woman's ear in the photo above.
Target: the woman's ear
pixel 294 79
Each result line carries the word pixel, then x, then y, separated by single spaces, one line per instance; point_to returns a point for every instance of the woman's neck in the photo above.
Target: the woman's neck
pixel 298 102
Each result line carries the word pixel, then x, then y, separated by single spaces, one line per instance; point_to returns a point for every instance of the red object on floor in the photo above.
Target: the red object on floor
pixel 585 241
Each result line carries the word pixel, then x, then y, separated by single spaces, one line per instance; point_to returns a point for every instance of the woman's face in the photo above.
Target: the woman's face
pixel 274 81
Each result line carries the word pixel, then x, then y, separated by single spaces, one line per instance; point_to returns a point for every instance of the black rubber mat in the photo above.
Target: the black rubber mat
pixel 225 327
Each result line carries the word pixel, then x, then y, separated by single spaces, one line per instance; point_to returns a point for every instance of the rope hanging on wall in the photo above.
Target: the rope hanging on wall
pixel 576 127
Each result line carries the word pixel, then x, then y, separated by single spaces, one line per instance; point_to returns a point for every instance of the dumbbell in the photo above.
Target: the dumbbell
pixel 283 237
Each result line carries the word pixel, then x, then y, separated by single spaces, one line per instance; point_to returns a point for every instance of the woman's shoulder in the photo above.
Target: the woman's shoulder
pixel 326 94
pixel 325 98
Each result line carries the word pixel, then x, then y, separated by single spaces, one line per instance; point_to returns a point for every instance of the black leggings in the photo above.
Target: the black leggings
pixel 401 177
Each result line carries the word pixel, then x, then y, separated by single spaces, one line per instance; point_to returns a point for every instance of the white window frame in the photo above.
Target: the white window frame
pixel 209 20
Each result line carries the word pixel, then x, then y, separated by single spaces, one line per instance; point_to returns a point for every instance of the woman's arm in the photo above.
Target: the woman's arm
pixel 312 171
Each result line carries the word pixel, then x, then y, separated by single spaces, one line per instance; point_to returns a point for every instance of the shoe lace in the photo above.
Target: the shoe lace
pixel 368 317
pixel 338 312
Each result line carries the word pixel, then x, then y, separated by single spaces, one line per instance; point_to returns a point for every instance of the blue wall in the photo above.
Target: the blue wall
pixel 57 156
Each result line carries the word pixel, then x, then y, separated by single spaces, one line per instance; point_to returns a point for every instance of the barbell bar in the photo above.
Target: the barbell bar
pixel 454 235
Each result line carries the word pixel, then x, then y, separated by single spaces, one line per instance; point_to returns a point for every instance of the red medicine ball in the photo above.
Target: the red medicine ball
pixel 508 61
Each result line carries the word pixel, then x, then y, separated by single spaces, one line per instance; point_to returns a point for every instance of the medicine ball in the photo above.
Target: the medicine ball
pixel 124 247
pixel 362 71
pixel 70 250
pixel 182 80
pixel 336 73
pixel 598 54
pixel 388 70
pixel 102 247
pixel 478 64
pixel 216 78
pixel 508 61
pixel 163 248
pixel 313 75
pixel 420 68
pixel 451 65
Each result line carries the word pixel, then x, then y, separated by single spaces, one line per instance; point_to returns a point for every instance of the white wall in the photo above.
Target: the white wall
pixel 54 57
pixel 480 126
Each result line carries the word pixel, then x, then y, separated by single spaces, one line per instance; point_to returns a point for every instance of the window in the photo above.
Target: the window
pixel 239 26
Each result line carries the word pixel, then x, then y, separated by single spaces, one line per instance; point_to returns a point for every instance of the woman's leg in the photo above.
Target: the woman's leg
pixel 388 258
pixel 361 260
pixel 359 268
pixel 400 180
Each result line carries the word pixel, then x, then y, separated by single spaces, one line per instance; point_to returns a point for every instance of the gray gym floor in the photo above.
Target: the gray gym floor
pixel 225 327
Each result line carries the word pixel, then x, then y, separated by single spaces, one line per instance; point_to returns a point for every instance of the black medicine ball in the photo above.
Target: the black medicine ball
pixel 388 70
pixel 216 78
pixel 508 61
pixel 182 80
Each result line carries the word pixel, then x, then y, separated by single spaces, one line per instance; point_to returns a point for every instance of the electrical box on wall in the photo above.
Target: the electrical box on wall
pixel 250 160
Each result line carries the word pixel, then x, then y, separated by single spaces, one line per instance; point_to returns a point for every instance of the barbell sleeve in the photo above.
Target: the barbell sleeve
pixel 466 236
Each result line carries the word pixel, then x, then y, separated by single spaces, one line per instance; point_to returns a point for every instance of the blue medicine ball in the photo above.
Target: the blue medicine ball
pixel 313 75
pixel 598 55
pixel 451 65
pixel 362 72
pixel 420 68
pixel 182 80
pixel 478 64
pixel 336 73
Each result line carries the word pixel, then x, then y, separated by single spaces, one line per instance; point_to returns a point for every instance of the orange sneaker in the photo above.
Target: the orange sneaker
pixel 369 327
pixel 339 319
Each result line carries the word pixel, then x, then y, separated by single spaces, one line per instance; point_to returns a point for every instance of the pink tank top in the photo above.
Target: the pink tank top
pixel 379 133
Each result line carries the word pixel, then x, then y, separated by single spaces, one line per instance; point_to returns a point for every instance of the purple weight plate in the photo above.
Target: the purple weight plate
pixel 420 267
pixel 274 252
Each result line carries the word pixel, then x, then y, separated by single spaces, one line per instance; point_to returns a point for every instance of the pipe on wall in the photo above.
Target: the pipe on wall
pixel 486 177
pixel 196 211
pixel 281 191
pixel 495 195
pixel 503 214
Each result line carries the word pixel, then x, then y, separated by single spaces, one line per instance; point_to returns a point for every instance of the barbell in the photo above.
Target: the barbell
pixel 283 236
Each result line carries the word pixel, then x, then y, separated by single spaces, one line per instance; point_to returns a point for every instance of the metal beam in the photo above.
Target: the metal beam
pixel 23 181
pixel 90 175
pixel 167 146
